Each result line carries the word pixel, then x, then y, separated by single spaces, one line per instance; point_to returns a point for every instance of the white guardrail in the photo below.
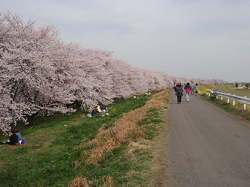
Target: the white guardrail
pixel 244 100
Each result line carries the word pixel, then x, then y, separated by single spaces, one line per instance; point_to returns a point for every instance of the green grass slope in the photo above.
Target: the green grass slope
pixel 50 158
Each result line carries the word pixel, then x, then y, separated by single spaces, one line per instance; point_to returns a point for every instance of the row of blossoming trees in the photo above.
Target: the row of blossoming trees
pixel 40 72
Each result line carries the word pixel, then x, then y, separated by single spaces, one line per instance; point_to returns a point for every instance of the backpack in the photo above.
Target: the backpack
pixel 179 91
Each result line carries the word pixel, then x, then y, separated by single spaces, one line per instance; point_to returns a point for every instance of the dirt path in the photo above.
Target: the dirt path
pixel 206 146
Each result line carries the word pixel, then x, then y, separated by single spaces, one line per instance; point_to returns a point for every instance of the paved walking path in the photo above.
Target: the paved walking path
pixel 206 146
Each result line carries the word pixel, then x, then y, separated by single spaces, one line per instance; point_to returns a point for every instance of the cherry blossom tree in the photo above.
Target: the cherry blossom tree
pixel 94 63
pixel 38 72
pixel 119 74
pixel 26 72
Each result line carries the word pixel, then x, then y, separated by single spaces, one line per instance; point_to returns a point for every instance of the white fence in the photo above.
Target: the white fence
pixel 244 100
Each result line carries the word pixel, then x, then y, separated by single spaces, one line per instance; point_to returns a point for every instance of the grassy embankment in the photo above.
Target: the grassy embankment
pixel 126 148
pixel 242 93
pixel 237 109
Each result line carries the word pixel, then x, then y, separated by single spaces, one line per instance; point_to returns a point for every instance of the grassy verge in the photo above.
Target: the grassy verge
pixel 59 148
pixel 241 93
pixel 150 153
pixel 204 89
pixel 237 109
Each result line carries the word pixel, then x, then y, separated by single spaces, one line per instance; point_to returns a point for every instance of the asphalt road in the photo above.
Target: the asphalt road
pixel 207 147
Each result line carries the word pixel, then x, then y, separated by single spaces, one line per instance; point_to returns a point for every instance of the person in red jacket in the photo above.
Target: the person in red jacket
pixel 188 89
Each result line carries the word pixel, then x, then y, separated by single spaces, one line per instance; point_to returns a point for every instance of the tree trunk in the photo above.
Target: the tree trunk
pixel 31 119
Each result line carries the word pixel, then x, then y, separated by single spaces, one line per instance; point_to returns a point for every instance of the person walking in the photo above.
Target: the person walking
pixel 179 93
pixel 188 90
pixel 175 88
pixel 196 89
pixel 192 88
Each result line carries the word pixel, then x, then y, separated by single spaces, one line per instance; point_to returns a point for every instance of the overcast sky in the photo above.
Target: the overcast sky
pixel 184 38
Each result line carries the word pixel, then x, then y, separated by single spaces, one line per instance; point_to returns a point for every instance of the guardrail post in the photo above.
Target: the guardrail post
pixel 245 106
pixel 233 102
pixel 228 99
pixel 221 98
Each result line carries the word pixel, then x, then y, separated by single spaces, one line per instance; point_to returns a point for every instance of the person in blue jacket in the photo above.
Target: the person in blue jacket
pixel 179 93
pixel 94 112
pixel 18 134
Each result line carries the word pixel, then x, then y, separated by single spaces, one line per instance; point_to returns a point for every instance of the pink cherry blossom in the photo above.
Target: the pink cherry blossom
pixel 38 72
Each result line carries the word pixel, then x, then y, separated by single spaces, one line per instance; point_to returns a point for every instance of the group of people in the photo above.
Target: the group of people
pixel 103 111
pixel 15 138
pixel 190 89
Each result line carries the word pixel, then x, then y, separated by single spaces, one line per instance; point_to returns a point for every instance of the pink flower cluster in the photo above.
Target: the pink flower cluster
pixel 39 72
